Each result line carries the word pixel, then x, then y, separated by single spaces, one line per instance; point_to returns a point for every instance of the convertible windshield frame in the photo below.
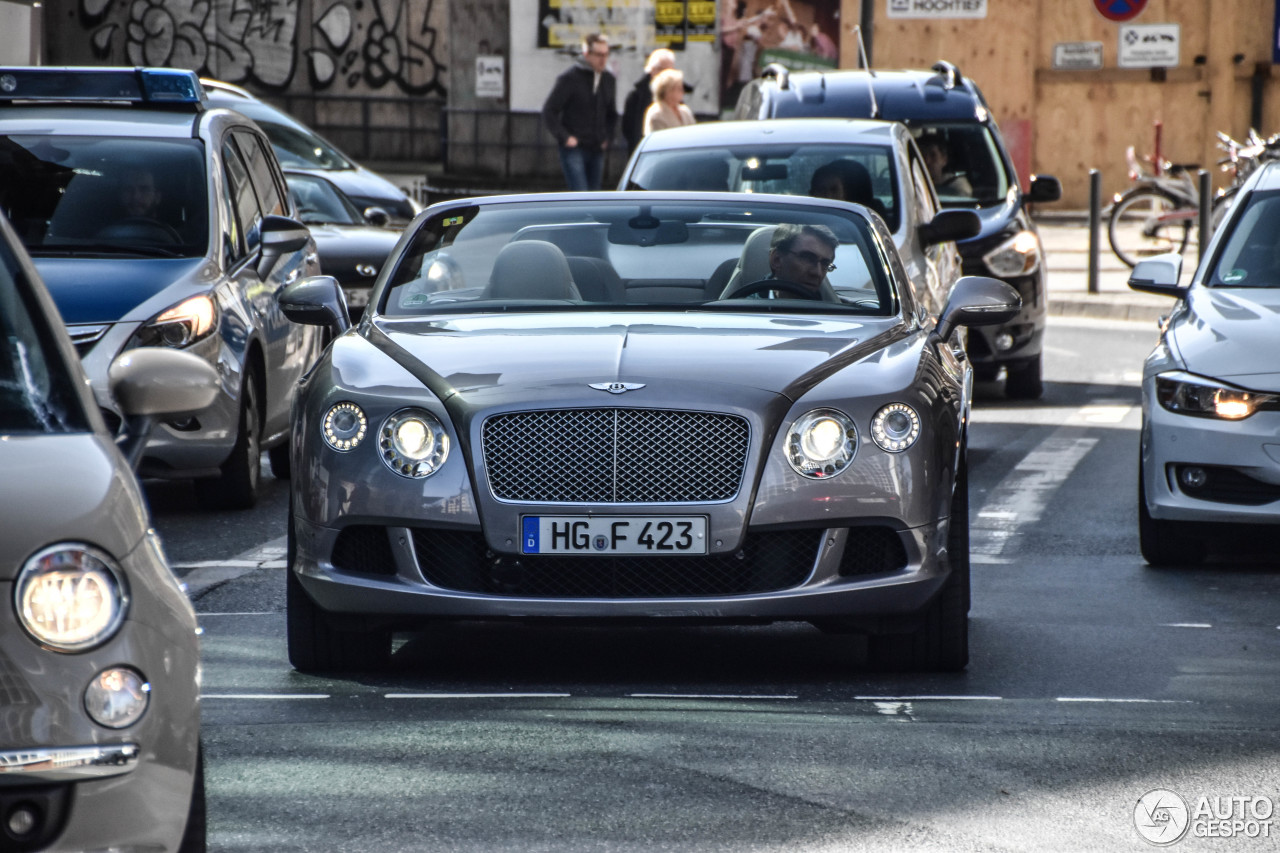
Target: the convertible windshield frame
pixel 634 251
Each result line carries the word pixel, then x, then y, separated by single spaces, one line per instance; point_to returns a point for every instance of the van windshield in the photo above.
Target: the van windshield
pixel 965 163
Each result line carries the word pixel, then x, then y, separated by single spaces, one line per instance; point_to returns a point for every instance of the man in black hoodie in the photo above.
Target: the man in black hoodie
pixel 582 114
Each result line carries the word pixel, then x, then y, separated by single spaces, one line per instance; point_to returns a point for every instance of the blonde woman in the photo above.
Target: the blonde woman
pixel 668 108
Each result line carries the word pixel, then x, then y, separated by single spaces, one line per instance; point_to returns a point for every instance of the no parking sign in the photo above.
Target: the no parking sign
pixel 1120 10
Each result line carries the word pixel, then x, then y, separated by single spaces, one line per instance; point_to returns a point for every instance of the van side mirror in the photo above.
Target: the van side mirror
pixel 1044 188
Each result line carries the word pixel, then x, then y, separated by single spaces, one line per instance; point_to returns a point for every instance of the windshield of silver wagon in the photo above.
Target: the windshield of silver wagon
pixel 610 254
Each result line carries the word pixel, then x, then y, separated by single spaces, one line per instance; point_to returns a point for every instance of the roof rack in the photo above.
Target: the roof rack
pixel 950 72
pixel 156 87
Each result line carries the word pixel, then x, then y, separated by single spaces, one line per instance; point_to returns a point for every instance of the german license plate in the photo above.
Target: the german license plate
pixel 574 534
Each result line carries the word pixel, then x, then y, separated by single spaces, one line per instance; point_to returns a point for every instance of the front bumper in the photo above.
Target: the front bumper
pixel 407 576
pixel 1241 461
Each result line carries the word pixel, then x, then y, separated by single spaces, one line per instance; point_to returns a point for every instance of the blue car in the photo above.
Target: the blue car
pixel 158 221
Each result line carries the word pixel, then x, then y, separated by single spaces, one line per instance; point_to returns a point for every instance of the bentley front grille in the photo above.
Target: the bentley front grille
pixel 767 562
pixel 615 456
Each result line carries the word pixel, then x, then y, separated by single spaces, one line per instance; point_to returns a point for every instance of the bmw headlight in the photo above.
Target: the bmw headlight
pixel 1019 255
pixel 70 597
pixel 413 443
pixel 895 427
pixel 181 325
pixel 1188 394
pixel 344 426
pixel 821 443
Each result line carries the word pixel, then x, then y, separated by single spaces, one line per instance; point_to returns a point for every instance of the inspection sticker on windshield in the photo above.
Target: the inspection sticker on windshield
pixel 572 534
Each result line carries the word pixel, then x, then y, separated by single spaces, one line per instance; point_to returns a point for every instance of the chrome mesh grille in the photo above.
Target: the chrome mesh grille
pixel 615 456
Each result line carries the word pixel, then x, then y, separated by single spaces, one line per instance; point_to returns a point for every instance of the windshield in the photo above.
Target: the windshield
pixel 320 202
pixel 36 390
pixel 105 195
pixel 594 254
pixel 863 174
pixel 1250 256
pixel 299 148
pixel 965 163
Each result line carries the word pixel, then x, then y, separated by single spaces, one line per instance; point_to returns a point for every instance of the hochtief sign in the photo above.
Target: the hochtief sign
pixel 937 8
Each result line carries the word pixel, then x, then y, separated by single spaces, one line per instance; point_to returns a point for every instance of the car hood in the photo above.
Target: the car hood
pixel 64 488
pixel 1232 334
pixel 366 187
pixel 341 247
pixel 105 290
pixel 483 356
pixel 994 219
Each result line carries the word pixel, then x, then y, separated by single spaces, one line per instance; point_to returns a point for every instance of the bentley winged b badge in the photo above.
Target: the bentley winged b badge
pixel 616 387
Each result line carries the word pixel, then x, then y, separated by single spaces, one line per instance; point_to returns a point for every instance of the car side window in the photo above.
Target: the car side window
pixel 270 190
pixel 926 204
pixel 246 215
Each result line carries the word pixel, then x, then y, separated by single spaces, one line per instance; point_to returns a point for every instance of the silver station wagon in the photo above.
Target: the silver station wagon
pixel 635 405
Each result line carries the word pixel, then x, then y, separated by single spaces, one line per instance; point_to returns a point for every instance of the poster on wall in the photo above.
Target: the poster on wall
pixel 937 8
pixel 800 34
pixel 680 22
pixel 563 23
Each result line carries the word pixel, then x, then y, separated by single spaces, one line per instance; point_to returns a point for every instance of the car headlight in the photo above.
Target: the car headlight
pixel 344 426
pixel 70 597
pixel 1188 394
pixel 1019 255
pixel 895 427
pixel 821 443
pixel 413 443
pixel 181 325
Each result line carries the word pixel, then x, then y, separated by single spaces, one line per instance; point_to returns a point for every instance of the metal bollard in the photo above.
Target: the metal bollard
pixel 1095 220
pixel 1206 217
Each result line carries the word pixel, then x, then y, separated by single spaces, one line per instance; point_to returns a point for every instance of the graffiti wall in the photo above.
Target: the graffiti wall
pixel 388 47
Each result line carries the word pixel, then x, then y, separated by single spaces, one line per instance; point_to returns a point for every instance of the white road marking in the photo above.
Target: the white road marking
pixel 1124 701
pixel 264 696
pixel 239 613
pixel 477 695
pixel 902 712
pixel 929 698
pixel 705 696
pixel 1186 625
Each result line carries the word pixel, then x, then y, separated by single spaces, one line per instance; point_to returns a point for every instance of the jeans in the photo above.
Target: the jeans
pixel 583 167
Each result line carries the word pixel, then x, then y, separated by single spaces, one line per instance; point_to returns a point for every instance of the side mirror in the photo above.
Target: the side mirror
pixel 976 300
pixel 317 300
pixel 1159 275
pixel 280 236
pixel 1044 188
pixel 950 225
pixel 377 216
pixel 151 383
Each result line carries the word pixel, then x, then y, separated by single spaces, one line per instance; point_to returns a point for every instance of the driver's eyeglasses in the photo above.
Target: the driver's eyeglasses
pixel 810 258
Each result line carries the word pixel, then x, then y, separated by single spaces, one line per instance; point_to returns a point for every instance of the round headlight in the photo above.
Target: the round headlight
pixel 413 443
pixel 344 426
pixel 895 427
pixel 117 697
pixel 821 443
pixel 70 597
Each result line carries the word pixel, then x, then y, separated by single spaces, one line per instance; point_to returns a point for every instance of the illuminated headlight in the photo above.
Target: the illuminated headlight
pixel 895 427
pixel 344 426
pixel 181 325
pixel 117 697
pixel 1019 255
pixel 413 443
pixel 70 597
pixel 1194 395
pixel 821 443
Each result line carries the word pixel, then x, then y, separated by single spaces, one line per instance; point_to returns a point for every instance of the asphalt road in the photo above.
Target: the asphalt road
pixel 1093 681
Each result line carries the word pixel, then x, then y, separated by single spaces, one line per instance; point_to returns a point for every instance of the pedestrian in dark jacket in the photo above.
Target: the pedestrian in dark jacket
pixel 582 114
pixel 641 96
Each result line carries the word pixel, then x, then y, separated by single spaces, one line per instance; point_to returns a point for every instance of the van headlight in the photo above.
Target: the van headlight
pixel 71 597
pixel 1019 255
pixel 821 443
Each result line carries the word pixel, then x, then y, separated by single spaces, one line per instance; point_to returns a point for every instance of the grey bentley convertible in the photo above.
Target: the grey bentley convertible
pixel 635 406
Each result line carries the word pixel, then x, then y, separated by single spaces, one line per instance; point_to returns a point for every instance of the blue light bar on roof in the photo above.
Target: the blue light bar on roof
pixel 132 85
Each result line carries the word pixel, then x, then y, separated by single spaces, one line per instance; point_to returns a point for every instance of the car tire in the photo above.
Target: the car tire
pixel 315 645
pixel 281 462
pixel 1023 381
pixel 941 641
pixel 241 479
pixel 193 837
pixel 1165 543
